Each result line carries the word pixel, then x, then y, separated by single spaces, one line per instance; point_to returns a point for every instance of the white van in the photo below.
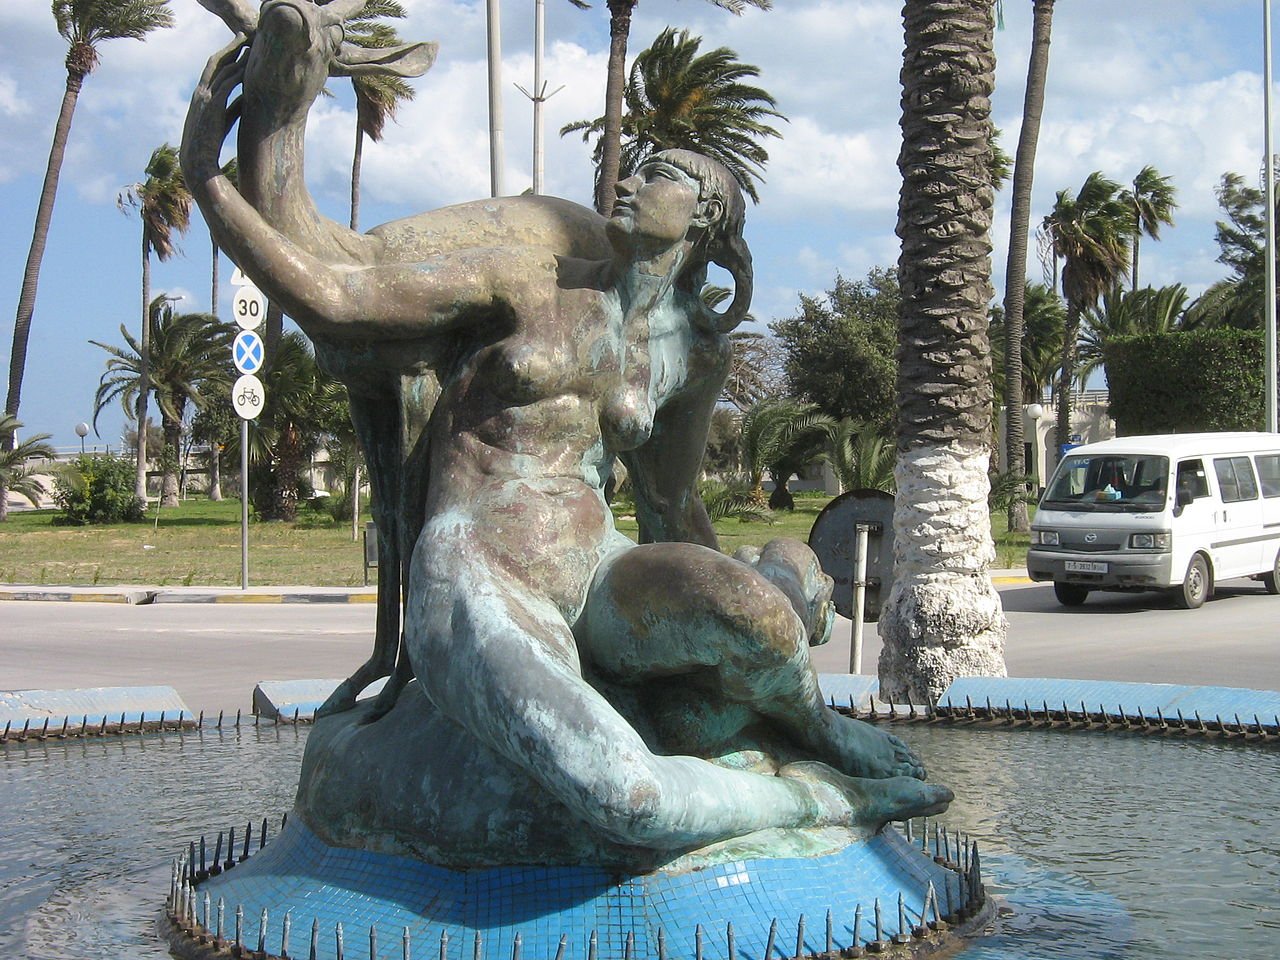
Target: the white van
pixel 1178 512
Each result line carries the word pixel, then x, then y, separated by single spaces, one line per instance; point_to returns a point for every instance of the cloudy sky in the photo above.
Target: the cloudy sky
pixel 1173 83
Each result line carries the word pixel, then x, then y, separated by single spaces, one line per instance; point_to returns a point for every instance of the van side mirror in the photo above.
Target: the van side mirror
pixel 1185 497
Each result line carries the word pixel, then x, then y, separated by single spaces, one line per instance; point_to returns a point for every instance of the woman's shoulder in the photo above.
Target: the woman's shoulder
pixel 557 226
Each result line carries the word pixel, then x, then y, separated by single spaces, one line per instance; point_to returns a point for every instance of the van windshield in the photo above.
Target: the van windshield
pixel 1109 483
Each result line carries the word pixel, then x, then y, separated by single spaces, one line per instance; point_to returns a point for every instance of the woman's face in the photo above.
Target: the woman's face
pixel 658 203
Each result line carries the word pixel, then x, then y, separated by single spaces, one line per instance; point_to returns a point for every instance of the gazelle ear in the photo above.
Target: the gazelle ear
pixel 240 15
pixel 406 60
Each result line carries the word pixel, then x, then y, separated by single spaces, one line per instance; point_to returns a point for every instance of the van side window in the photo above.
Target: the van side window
pixel 1192 480
pixel 1269 474
pixel 1235 479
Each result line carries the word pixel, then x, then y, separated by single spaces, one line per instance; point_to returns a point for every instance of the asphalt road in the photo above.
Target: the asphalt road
pixel 213 654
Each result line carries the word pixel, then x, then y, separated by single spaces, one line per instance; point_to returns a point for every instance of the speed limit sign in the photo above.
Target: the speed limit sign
pixel 248 307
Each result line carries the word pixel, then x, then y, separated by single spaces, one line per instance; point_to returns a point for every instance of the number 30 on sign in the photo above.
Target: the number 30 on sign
pixel 248 307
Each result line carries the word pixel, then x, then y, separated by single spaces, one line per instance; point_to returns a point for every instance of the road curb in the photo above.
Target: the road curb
pixel 78 596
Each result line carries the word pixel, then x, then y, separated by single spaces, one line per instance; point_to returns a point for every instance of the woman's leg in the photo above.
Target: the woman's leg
pixel 671 608
pixel 500 660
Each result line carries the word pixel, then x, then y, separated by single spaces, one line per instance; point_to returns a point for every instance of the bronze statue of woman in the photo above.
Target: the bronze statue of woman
pixel 526 608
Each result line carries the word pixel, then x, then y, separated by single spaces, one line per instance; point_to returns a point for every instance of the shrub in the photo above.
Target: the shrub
pixel 1202 380
pixel 97 489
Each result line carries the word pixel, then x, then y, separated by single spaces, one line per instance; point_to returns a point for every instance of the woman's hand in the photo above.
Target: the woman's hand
pixel 211 116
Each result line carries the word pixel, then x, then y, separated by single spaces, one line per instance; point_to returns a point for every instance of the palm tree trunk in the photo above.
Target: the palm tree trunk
pixel 215 472
pixel 943 618
pixel 35 256
pixel 144 370
pixel 356 158
pixel 172 453
pixel 611 137
pixel 1066 373
pixel 1016 268
pixel 1133 272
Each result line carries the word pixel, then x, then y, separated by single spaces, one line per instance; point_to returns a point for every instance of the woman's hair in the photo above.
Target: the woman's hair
pixel 723 244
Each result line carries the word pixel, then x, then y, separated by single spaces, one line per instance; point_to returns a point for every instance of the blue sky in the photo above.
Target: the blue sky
pixel 1173 83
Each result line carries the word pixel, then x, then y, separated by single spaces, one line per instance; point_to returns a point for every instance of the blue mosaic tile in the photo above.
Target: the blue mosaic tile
pixel 299 874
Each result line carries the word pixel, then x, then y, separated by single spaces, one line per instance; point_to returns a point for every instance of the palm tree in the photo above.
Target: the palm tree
pixel 378 96
pixel 16 474
pixel 611 126
pixel 1127 313
pixel 83 24
pixel 862 457
pixel 185 353
pixel 1090 232
pixel 678 98
pixel 290 427
pixel 164 204
pixel 1151 203
pixel 1016 265
pixel 778 437
pixel 942 616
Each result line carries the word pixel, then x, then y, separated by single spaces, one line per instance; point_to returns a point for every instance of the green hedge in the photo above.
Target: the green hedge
pixel 1201 380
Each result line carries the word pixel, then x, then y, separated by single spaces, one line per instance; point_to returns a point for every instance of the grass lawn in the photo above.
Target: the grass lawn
pixel 199 543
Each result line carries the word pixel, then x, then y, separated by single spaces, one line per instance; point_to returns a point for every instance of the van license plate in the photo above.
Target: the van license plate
pixel 1084 566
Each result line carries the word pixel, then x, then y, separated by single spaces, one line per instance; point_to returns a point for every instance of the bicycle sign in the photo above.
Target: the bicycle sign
pixel 247 396
pixel 248 307
pixel 247 352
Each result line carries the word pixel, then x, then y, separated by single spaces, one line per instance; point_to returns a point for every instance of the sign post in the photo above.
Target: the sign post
pixel 248 306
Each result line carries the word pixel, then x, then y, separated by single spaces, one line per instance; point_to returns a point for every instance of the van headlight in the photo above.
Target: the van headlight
pixel 1046 538
pixel 1149 541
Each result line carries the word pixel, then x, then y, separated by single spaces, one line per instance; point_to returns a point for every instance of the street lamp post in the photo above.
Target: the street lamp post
pixel 1269 378
pixel 82 431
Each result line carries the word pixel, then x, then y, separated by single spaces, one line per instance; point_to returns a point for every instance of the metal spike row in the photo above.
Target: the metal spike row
pixel 239 925
pixel 287 924
pixel 262 931
pixel 831 935
pixel 562 947
pixel 730 942
pixel 799 939
pixel 315 938
pixel 593 944
pixel 231 849
pixel 773 936
pixel 477 947
pixel 337 935
pixel 208 905
pixel 222 909
pixel 444 944
pixel 662 945
pixel 697 942
pixel 517 945
pixel 373 942
pixel 629 948
pixel 248 835
pixel 262 834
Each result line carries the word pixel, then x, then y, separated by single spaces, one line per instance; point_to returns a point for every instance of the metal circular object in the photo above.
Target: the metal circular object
pixel 833 540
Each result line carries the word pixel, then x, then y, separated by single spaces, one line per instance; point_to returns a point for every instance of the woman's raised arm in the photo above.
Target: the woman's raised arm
pixel 334 300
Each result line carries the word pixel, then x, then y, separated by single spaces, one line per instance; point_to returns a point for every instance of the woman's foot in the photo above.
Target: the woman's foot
pixel 857 801
pixel 862 750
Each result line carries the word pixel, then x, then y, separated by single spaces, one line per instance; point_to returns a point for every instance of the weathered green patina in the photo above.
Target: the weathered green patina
pixel 579 698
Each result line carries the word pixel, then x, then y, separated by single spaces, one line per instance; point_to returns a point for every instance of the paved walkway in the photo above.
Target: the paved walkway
pixel 135 593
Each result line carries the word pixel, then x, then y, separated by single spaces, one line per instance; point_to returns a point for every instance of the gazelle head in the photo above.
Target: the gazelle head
pixel 296 45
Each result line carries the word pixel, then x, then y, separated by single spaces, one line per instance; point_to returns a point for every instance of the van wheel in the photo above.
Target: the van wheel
pixel 1272 580
pixel 1196 585
pixel 1070 594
